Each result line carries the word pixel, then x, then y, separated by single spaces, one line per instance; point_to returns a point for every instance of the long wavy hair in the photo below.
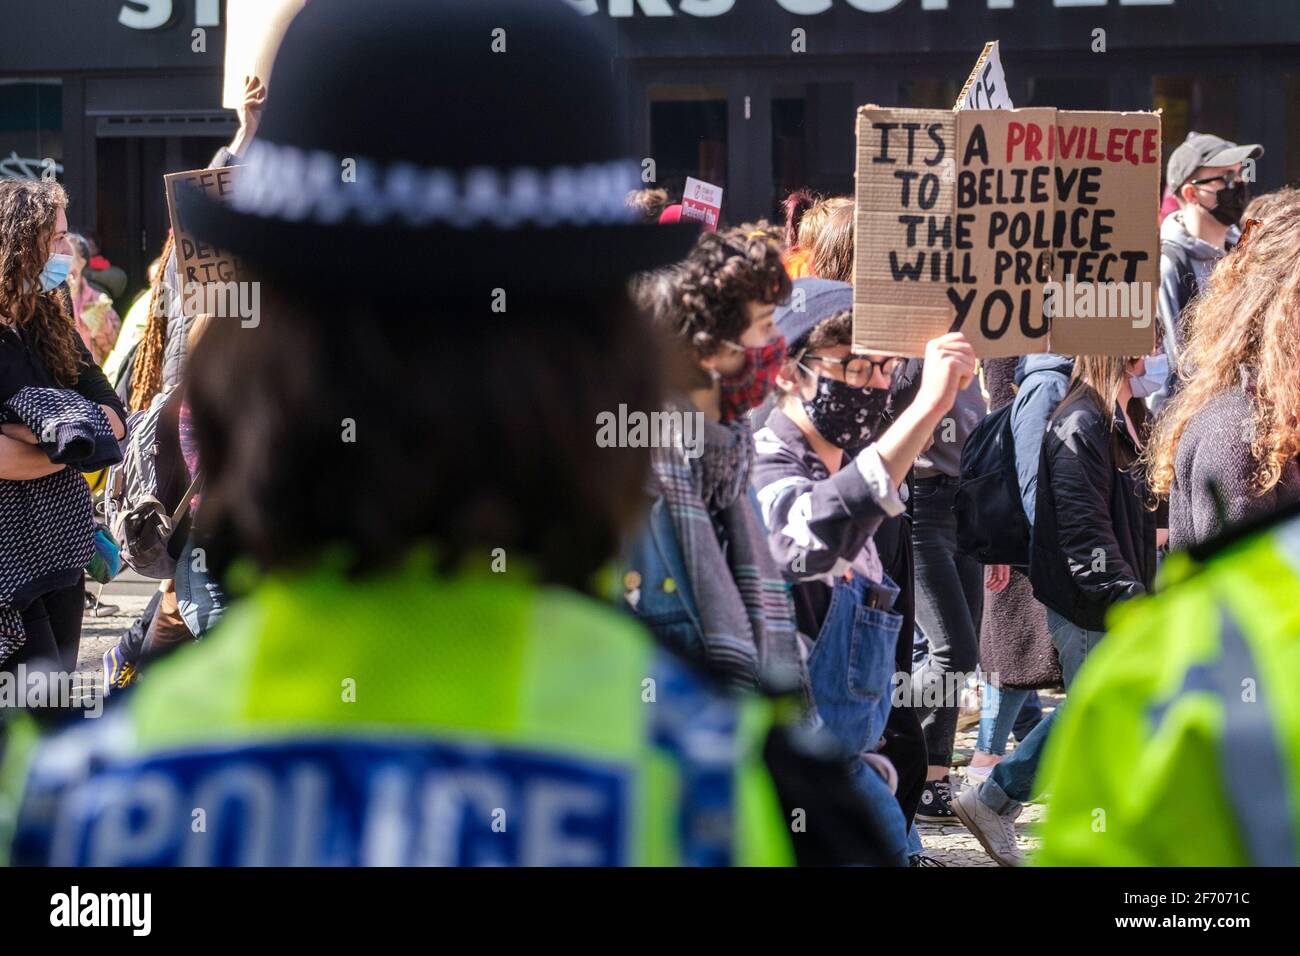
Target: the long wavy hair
pixel 28 210
pixel 1244 333
pixel 1099 378
pixel 147 374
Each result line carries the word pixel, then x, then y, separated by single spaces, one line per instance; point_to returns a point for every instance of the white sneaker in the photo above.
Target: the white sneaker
pixel 995 831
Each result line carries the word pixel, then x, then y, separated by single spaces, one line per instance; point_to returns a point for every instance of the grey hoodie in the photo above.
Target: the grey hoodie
pixel 1172 299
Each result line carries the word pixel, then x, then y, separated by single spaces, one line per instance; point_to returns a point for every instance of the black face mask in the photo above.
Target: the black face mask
pixel 845 415
pixel 1232 202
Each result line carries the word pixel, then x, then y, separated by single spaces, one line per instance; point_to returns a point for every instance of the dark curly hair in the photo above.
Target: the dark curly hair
pixel 469 435
pixel 28 210
pixel 721 274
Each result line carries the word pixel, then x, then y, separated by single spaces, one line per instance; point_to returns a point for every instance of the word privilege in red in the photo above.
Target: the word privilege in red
pixel 1035 143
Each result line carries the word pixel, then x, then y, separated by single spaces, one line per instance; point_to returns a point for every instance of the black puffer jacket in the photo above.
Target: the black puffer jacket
pixel 1094 540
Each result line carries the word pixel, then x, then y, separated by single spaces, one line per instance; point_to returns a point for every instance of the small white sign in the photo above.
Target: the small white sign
pixel 986 87
pixel 702 202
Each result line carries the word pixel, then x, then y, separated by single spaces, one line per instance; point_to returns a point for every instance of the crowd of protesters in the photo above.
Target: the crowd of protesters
pixel 781 578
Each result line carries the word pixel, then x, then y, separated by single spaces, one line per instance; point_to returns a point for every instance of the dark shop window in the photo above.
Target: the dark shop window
pixel 1069 93
pixel 928 94
pixel 688 136
pixel 812 140
pixel 1207 104
pixel 31 129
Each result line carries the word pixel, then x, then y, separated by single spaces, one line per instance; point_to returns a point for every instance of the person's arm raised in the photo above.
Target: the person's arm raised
pixel 949 367
pixel 250 115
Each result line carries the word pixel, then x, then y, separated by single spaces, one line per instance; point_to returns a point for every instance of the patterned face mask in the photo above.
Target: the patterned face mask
pixel 747 388
pixel 845 415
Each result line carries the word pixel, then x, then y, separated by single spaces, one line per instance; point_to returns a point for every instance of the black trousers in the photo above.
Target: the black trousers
pixel 53 626
pixel 904 738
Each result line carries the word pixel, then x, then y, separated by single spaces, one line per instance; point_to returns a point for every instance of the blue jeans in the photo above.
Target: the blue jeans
pixel 884 816
pixel 1004 710
pixel 1011 782
pixel 851 670
pixel 199 598
pixel 851 666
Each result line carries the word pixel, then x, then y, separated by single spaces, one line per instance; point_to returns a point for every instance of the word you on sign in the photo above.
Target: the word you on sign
pixel 963 219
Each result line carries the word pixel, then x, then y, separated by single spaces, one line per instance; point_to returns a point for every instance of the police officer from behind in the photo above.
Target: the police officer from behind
pixel 1181 744
pixel 407 491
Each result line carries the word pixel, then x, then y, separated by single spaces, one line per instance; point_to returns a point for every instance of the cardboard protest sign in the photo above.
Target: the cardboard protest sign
pixel 903 229
pixel 1108 249
pixel 971 220
pixel 986 87
pixel 254 29
pixel 200 266
pixel 702 201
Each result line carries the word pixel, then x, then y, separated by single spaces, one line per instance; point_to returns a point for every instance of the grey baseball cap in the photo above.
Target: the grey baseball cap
pixel 1206 149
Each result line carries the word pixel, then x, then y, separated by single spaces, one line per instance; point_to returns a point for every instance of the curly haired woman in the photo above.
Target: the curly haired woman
pixel 40 348
pixel 1225 448
pixel 700 575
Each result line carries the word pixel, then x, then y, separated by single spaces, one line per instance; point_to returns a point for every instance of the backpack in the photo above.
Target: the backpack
pixel 992 526
pixel 147 499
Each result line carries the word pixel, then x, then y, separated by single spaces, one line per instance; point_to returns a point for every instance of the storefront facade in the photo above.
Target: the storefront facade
pixel 732 92
pixel 107 96
pixel 757 96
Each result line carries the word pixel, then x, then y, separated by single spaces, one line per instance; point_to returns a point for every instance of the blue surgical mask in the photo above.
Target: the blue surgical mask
pixel 1153 379
pixel 56 270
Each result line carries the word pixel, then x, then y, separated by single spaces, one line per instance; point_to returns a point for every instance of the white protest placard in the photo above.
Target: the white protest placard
pixel 1027 230
pixel 986 87
pixel 702 201
pixel 254 29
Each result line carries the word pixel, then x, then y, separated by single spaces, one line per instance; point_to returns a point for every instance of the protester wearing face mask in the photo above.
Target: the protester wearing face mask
pixel 1207 177
pixel 41 582
pixel 699 575
pixel 827 475
pixel 1094 545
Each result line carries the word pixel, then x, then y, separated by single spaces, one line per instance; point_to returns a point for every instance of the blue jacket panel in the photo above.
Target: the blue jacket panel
pixel 1042 380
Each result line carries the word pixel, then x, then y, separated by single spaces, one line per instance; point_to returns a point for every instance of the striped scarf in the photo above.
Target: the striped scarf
pixel 744 606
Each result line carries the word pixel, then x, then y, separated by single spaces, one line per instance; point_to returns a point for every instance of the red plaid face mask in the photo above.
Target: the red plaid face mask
pixel 747 388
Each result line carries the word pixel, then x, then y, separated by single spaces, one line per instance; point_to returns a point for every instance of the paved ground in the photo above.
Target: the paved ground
pixel 130 594
pixel 952 845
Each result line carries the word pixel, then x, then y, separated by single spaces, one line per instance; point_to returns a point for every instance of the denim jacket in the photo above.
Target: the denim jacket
pixel 656 587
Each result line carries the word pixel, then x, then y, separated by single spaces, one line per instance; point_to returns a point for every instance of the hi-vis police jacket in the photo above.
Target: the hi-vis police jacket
pixel 1180 742
pixel 409 720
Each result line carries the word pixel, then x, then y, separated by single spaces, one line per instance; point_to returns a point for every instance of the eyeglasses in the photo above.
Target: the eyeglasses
pixel 1228 178
pixel 858 370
